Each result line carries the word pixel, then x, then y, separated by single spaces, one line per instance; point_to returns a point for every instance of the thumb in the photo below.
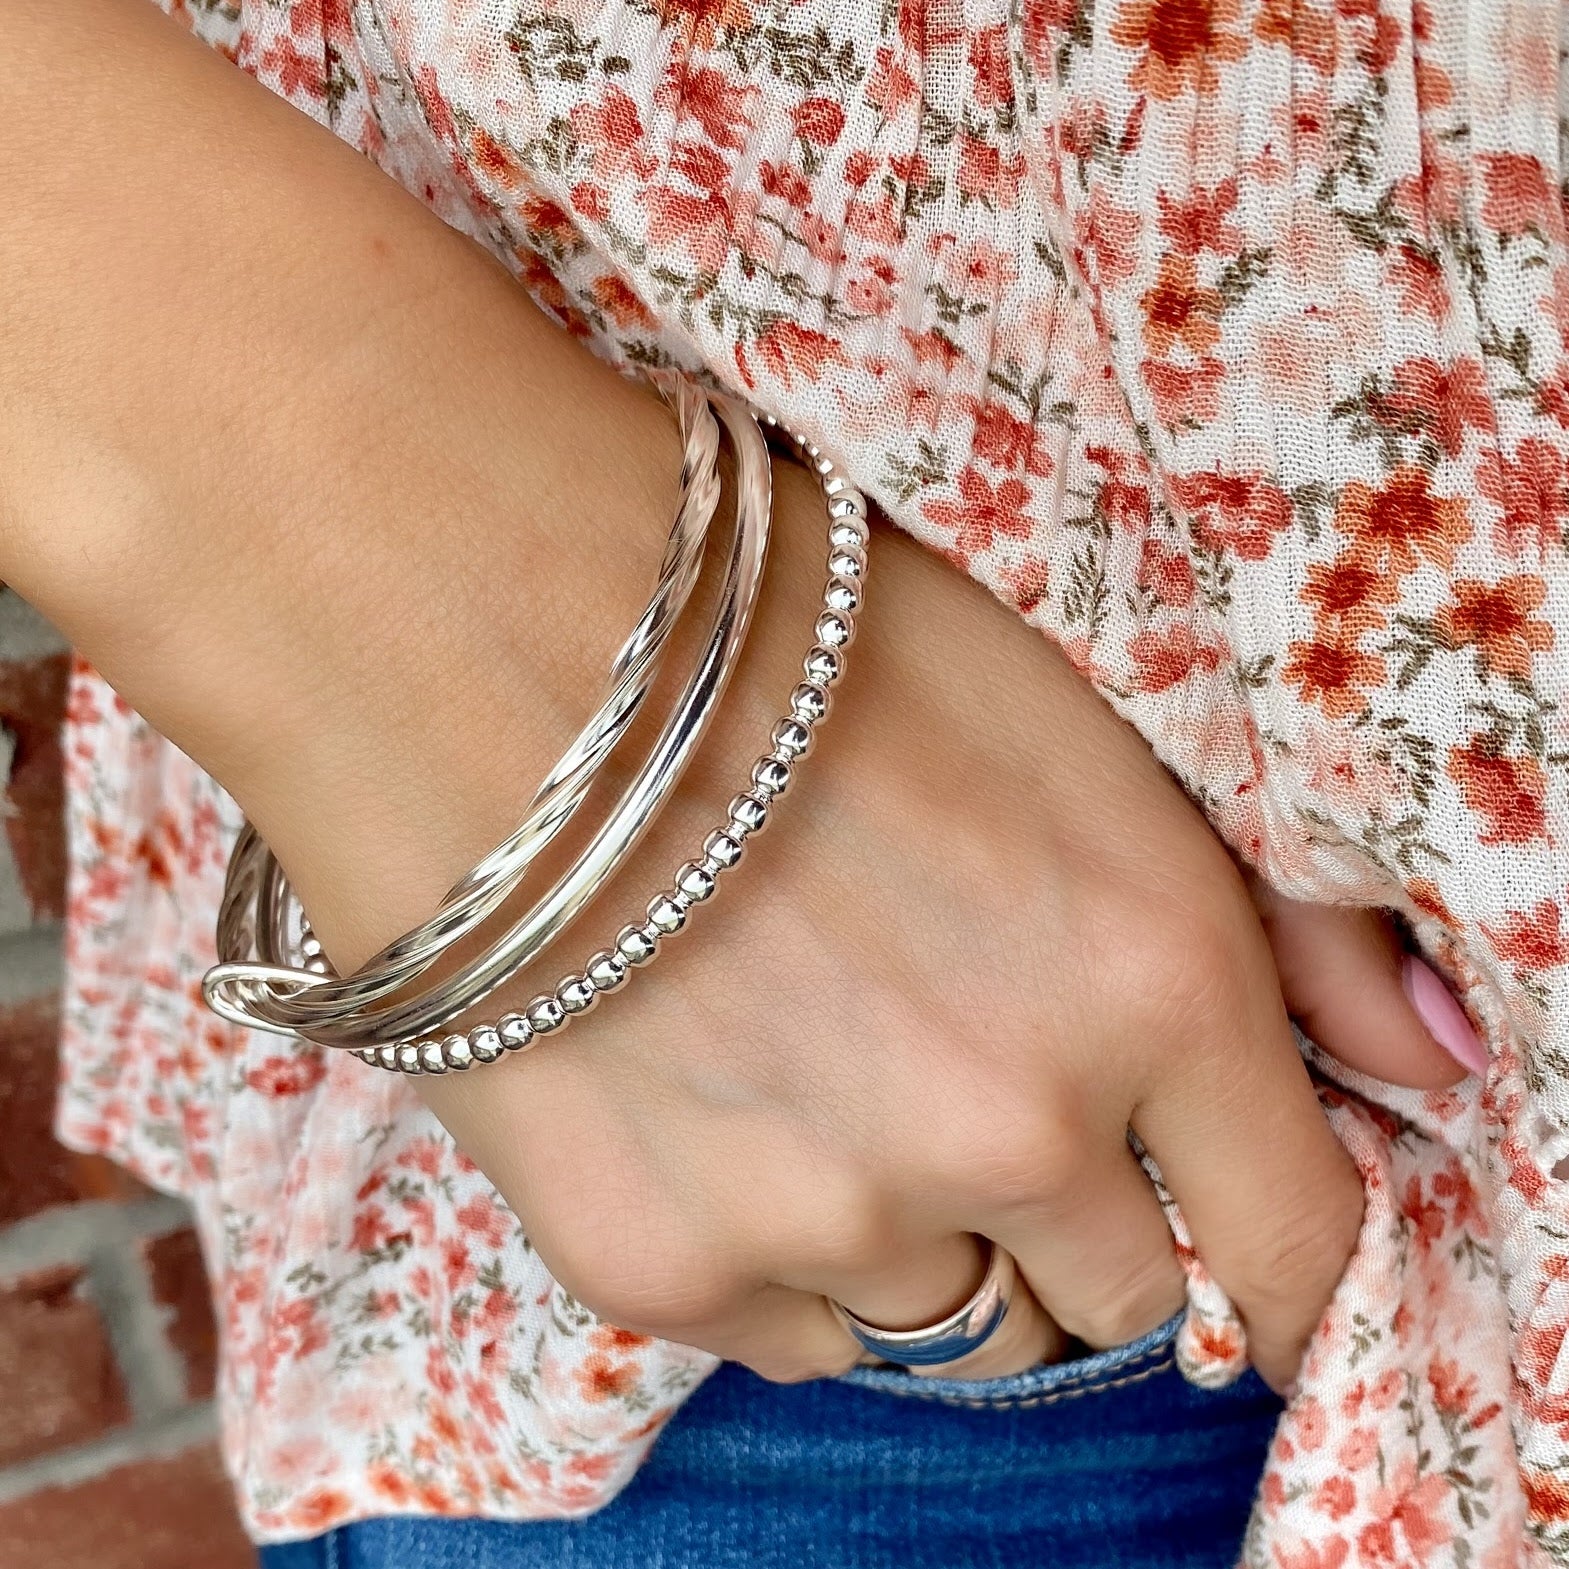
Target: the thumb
pixel 1355 991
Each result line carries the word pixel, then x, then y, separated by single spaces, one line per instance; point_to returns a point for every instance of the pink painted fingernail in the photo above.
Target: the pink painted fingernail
pixel 1444 1017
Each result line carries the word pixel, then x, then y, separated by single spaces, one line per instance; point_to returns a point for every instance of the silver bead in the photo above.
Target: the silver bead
pixel 635 945
pixel 809 703
pixel 545 1014
pixel 848 534
pixel 457 1052
pixel 310 945
pixel 792 737
pixel 771 776
pixel 665 914
pixel 484 1043
pixel 847 504
pixel 366 1054
pixel 408 1057
pixel 387 1056
pixel 836 486
pixel 748 815
pixel 317 965
pixel 823 665
pixel 576 993
pixel 606 970
pixel 834 630
pixel 696 882
pixel 514 1032
pixel 430 1058
pixel 842 596
pixel 723 849
pixel 847 563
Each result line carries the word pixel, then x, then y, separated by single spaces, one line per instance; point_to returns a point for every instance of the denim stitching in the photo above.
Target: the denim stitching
pixel 1073 1378
pixel 1126 1376
pixel 332 1560
pixel 1031 1402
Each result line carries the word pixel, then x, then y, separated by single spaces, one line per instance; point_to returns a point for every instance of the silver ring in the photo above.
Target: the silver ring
pixel 950 1338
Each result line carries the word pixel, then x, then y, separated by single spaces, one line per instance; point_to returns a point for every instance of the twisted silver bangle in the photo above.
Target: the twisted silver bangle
pixel 258 904
pixel 623 829
pixel 257 885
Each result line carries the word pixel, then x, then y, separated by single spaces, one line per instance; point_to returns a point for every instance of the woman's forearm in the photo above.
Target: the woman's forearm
pixel 270 434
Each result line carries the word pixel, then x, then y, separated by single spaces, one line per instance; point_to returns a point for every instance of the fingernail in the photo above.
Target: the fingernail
pixel 1444 1017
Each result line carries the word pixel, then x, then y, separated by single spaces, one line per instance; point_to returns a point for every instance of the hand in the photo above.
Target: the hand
pixel 986 936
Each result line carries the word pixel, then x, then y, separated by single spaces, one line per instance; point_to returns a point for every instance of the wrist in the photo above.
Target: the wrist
pixel 318 512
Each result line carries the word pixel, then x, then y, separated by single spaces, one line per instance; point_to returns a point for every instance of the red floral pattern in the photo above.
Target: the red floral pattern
pixel 1227 339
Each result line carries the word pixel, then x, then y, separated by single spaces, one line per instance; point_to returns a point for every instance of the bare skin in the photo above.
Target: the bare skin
pixel 361 530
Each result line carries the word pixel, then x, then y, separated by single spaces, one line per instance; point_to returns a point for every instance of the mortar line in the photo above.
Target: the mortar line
pixel 152 1371
pixel 69 1234
pixel 161 1440
pixel 32 963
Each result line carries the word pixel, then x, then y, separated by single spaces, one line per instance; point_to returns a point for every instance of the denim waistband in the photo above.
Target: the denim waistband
pixel 1047 1384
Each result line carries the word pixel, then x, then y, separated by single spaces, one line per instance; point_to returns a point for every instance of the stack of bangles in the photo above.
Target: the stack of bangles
pixel 272 974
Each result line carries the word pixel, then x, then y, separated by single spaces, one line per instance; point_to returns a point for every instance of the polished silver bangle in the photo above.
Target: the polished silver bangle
pixel 259 908
pixel 643 798
pixel 352 1022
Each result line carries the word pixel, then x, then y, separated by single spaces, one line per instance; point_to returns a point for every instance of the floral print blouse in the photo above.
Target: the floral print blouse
pixel 1228 340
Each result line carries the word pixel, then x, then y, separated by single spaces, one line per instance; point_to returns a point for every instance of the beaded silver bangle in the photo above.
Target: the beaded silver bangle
pixel 695 881
pixel 257 885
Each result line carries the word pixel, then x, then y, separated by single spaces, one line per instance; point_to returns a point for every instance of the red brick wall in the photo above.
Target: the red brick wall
pixel 107 1455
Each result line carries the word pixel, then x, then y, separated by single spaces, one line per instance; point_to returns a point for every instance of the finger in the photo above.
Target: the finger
pixel 1356 992
pixel 1100 1258
pixel 784 1336
pixel 1273 1201
pixel 929 1285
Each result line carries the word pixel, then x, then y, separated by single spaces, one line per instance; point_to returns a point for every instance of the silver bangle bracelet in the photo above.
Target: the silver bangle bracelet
pixel 258 906
pixel 279 990
pixel 650 788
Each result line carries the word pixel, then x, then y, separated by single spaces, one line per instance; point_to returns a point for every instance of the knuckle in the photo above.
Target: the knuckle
pixel 1183 966
pixel 1024 1161
pixel 1130 1308
pixel 853 1231
pixel 1304 1255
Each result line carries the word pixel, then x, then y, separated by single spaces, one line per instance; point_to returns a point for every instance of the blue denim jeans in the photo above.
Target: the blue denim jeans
pixel 1113 1462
